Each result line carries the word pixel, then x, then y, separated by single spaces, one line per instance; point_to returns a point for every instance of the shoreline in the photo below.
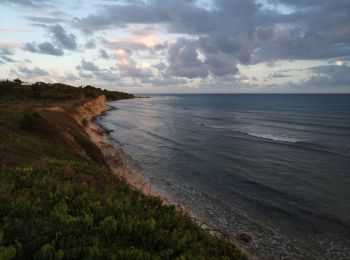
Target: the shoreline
pixel 85 115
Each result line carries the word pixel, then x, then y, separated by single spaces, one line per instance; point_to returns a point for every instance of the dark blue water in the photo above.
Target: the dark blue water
pixel 275 166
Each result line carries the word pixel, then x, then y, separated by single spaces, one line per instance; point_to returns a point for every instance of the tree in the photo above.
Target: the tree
pixel 17 81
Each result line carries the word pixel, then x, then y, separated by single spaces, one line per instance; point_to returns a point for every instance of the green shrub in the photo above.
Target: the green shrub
pixel 30 121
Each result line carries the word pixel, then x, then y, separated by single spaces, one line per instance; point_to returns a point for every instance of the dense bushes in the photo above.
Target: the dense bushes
pixel 30 121
pixel 59 209
pixel 42 91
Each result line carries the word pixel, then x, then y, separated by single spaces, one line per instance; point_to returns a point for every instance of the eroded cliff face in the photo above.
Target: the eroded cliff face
pixel 84 115
pixel 85 112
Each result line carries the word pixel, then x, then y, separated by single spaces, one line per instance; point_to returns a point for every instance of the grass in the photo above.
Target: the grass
pixel 59 201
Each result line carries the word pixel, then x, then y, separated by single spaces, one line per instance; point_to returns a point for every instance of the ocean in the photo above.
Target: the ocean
pixel 276 166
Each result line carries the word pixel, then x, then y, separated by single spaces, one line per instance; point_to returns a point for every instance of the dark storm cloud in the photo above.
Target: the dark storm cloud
pixel 43 48
pixel 235 31
pixel 64 39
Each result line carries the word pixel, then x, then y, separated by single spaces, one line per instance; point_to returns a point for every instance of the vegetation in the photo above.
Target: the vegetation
pixel 16 90
pixel 59 201
pixel 30 121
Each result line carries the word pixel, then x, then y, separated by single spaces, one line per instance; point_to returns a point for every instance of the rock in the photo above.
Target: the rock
pixel 107 131
pixel 245 237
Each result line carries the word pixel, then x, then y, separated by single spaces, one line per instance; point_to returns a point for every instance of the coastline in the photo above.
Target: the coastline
pixel 85 115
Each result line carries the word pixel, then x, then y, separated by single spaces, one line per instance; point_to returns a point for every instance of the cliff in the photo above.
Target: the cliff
pixel 84 114
pixel 59 200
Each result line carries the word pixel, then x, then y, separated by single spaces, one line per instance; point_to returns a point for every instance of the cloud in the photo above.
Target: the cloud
pixel 107 75
pixel 27 3
pixel 89 70
pixel 183 60
pixel 278 74
pixel 128 67
pixel 246 31
pixel 44 20
pixel 88 66
pixel 164 80
pixel 85 75
pixel 143 42
pixel 124 44
pixel 6 58
pixel 103 54
pixel 160 66
pixel 69 77
pixel 32 73
pixel 43 48
pixel 329 76
pixel 62 38
pixel 90 44
pixel 10 45
pixel 192 40
pixel 160 46
pixel 187 59
pixel 11 29
pixel 6 51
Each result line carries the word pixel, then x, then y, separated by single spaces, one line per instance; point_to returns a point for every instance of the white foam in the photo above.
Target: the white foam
pixel 273 137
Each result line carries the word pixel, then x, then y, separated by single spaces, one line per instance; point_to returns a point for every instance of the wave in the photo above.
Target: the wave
pixel 285 140
pixel 259 135
pixel 213 126
pixel 274 137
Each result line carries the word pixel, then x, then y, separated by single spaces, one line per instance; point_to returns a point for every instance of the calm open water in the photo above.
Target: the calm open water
pixel 275 166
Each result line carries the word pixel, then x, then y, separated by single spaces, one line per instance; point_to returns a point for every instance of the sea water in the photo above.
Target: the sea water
pixel 274 166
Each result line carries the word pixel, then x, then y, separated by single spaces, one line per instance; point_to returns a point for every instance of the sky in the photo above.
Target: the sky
pixel 179 46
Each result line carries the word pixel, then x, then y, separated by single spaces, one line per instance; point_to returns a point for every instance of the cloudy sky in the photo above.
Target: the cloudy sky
pixel 173 46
